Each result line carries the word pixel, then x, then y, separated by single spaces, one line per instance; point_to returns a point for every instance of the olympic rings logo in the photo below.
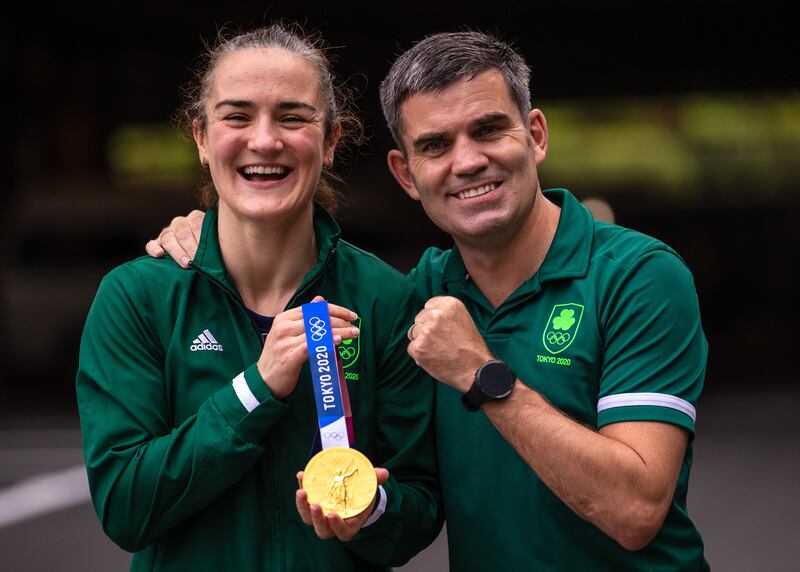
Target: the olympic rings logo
pixel 335 435
pixel 558 338
pixel 317 328
pixel 346 353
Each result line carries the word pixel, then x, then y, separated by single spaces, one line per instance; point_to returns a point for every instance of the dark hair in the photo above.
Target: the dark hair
pixel 441 59
pixel 291 38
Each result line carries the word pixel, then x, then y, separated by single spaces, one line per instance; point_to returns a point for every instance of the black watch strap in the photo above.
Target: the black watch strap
pixel 473 399
pixel 493 381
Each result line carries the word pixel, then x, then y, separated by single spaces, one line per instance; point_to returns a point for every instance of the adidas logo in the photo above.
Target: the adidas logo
pixel 205 341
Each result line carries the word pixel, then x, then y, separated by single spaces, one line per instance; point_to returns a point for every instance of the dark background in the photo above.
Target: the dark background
pixel 73 75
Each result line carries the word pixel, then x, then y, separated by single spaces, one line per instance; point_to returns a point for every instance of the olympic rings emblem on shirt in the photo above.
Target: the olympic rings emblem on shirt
pixel 317 328
pixel 559 338
pixel 335 435
pixel 346 353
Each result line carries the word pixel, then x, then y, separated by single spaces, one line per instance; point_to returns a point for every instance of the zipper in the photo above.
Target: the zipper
pixel 277 535
pixel 304 288
pixel 314 279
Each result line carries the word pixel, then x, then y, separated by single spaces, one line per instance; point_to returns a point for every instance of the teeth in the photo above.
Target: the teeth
pixel 261 170
pixel 476 192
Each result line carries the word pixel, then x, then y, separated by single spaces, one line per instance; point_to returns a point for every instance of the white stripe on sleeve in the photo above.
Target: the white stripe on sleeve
pixel 655 399
pixel 243 393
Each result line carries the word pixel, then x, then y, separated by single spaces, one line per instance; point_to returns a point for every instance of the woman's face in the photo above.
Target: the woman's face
pixel 264 140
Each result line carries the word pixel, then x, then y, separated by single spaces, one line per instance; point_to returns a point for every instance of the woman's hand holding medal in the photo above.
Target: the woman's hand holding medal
pixel 285 349
pixel 332 524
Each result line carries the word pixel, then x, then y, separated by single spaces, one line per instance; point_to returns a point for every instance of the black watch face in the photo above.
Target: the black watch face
pixel 496 380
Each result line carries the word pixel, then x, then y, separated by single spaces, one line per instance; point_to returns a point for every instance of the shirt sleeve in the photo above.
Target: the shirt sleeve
pixel 413 513
pixel 145 474
pixel 655 351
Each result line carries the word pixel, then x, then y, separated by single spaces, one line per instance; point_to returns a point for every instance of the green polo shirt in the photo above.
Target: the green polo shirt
pixel 607 330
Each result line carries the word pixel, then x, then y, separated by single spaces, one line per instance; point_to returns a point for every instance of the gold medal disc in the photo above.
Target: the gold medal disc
pixel 340 480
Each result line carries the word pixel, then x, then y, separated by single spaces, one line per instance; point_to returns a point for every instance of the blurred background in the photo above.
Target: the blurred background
pixel 679 119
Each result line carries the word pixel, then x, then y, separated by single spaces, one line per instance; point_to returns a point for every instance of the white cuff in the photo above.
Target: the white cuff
pixel 380 508
pixel 244 394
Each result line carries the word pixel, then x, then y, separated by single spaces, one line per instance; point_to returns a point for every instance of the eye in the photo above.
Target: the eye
pixel 433 146
pixel 236 118
pixel 293 120
pixel 485 130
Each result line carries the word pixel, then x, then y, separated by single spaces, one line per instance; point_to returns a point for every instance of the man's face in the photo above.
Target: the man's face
pixel 471 159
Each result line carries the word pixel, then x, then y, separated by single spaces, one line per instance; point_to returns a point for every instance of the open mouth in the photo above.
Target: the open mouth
pixel 262 173
pixel 477 191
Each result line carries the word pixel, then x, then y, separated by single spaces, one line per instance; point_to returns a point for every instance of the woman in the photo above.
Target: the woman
pixel 196 406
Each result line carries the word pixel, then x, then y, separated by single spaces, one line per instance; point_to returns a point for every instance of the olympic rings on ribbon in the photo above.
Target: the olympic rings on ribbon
pixel 317 328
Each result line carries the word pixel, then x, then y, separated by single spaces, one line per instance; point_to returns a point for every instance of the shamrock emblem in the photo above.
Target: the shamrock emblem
pixel 564 320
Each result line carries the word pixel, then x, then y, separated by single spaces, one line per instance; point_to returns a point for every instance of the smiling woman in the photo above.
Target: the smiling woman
pixel 196 410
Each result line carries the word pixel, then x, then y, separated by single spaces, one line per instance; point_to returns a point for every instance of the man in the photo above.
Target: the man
pixel 580 458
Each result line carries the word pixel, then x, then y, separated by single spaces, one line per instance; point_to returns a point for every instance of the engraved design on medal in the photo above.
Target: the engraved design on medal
pixel 337 488
pixel 340 480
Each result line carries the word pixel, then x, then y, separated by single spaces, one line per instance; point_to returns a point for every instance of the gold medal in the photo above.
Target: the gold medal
pixel 340 480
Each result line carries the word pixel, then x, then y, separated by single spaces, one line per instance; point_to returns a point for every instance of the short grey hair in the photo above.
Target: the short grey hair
pixel 439 60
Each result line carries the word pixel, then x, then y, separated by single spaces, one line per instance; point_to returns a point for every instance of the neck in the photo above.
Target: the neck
pixel 267 260
pixel 498 270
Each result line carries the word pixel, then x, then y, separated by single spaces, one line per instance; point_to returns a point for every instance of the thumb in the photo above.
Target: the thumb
pixel 381 474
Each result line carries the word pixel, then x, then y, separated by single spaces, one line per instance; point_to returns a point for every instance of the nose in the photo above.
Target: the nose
pixel 468 157
pixel 265 137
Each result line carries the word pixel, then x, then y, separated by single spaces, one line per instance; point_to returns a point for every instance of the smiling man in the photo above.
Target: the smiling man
pixel 569 352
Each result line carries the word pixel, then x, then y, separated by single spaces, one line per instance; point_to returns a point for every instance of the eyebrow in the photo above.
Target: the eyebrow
pixel 282 105
pixel 491 118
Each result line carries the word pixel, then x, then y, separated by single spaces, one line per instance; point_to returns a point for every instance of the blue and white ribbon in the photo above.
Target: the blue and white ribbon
pixel 332 405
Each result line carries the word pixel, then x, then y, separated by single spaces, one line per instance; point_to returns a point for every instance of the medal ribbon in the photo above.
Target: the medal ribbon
pixel 330 391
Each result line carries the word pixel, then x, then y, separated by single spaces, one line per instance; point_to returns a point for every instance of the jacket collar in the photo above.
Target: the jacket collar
pixel 208 258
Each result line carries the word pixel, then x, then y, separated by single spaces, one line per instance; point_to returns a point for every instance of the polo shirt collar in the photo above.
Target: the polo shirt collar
pixel 568 256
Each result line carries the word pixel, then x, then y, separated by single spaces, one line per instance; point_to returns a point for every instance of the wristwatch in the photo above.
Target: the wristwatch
pixel 493 380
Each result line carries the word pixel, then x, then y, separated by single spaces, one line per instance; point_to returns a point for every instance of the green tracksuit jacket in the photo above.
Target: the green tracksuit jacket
pixel 184 476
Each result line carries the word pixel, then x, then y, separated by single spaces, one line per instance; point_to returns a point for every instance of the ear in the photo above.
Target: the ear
pixel 330 144
pixel 398 165
pixel 200 141
pixel 537 126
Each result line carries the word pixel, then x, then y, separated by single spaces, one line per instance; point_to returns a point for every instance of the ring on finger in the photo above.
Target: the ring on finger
pixel 410 333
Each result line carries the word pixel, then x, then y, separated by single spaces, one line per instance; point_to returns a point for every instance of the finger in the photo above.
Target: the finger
pixel 346 333
pixel 195 221
pixel 154 249
pixel 320 523
pixel 301 502
pixel 173 247
pixel 341 312
pixel 345 529
pixel 291 323
pixel 340 323
pixel 299 476
pixel 185 236
pixel 334 310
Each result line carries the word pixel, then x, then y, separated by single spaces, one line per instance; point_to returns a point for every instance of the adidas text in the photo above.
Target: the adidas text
pixel 206 346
